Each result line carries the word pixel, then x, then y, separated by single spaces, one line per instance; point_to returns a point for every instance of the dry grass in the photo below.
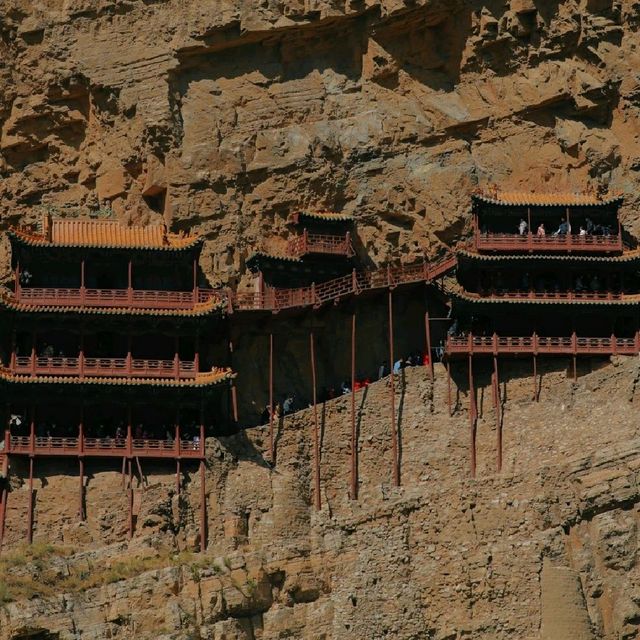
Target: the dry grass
pixel 31 572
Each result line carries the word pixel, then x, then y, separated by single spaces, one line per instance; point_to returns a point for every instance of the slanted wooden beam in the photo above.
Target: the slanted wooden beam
pixel 316 431
pixel 392 398
pixel 354 434
pixel 427 329
pixel 472 417
pixel 81 511
pixel 31 504
pixel 130 498
pixel 498 407
pixel 271 440
pixel 203 509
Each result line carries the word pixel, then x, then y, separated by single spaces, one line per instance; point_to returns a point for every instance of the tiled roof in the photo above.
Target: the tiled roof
pixel 630 300
pixel 627 256
pixel 272 256
pixel 326 216
pixel 519 198
pixel 216 376
pixel 200 309
pixel 108 234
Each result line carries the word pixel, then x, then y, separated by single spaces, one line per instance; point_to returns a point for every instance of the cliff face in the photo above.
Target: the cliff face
pixel 229 116
pixel 546 549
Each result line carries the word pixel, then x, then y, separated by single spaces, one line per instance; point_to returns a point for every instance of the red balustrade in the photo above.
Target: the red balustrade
pixel 552 295
pixel 532 243
pixel 104 367
pixel 332 290
pixel 109 298
pixel 570 345
pixel 320 243
pixel 105 447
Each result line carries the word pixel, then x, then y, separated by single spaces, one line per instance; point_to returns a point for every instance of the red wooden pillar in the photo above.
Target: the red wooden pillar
pixel 81 487
pixel 81 511
pixel 129 434
pixel 574 345
pixel 33 353
pixel 81 354
pixel 427 329
pixel 203 509
pixel 498 405
pixel 82 283
pixel 32 432
pixel 271 444
pixel 177 448
pixel 472 417
pixel 17 284
pixel 196 356
pixel 195 280
pixel 130 281
pixel 449 386
pixel 394 434
pixel 129 358
pixel 234 394
pixel 4 497
pixel 31 505
pixel 354 433
pixel 176 358
pixel 203 435
pixel 130 498
pixel 316 434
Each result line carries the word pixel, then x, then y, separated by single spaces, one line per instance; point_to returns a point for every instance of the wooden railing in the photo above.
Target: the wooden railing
pixel 320 243
pixel 103 367
pixel 571 345
pixel 64 446
pixel 332 290
pixel 532 243
pixel 129 298
pixel 552 295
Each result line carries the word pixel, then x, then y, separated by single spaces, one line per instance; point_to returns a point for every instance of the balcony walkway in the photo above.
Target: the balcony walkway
pixel 104 367
pixel 533 243
pixel 534 345
pixel 115 298
pixel 352 284
pixel 323 244
pixel 555 296
pixel 104 447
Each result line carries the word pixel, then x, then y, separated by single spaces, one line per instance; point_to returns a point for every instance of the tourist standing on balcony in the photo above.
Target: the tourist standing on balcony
pixel 383 370
pixel 542 232
pixel 563 229
pixel 583 231
pixel 589 226
pixel 522 227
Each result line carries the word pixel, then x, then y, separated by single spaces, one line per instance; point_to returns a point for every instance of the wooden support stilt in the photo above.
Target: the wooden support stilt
pixel 575 368
pixel 234 401
pixel 4 497
pixel 449 387
pixel 427 329
pixel 142 483
pixel 130 499
pixel 354 434
pixel 498 405
pixel 81 513
pixel 394 433
pixel 316 434
pixel 271 442
pixel 124 471
pixel 178 477
pixel 203 509
pixel 31 505
pixel 472 417
pixel 535 377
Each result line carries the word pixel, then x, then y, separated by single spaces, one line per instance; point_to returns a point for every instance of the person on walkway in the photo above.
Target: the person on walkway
pixel 397 366
pixel 590 227
pixel 287 405
pixel 542 232
pixel 264 416
pixel 563 229
pixel 583 231
pixel 522 227
pixel 383 369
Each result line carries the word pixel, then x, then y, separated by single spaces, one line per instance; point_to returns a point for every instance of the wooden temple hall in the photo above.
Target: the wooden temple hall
pixel 543 275
pixel 105 350
pixel 113 345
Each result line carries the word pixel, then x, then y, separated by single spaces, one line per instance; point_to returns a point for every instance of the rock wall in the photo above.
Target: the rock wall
pixel 545 549
pixel 228 116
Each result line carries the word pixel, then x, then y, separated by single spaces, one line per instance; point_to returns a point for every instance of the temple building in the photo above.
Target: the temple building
pixel 542 275
pixel 321 249
pixel 105 349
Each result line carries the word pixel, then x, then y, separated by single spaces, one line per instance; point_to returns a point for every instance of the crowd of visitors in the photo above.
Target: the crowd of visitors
pixel 114 432
pixel 289 404
pixel 589 228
